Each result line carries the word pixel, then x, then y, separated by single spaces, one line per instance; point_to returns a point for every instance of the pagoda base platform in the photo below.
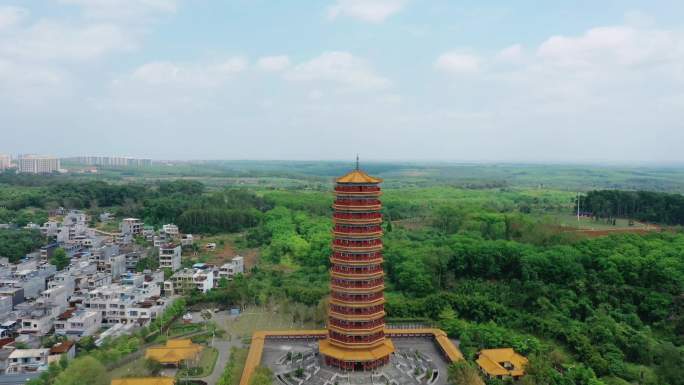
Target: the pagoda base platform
pixel 356 359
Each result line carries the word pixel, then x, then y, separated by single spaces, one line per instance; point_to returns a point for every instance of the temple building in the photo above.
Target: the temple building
pixel 356 314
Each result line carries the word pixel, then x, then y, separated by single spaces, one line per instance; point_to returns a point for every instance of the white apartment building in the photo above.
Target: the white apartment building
pixel 37 320
pixel 125 304
pixel 5 162
pixel 38 164
pixel 170 256
pixel 232 268
pixel 27 360
pixel 114 265
pixel 188 280
pixel 171 230
pixel 55 296
pixel 80 323
pixel 186 240
pixel 133 226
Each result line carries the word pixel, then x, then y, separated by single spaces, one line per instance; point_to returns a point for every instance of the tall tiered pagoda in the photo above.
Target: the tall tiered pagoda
pixel 356 314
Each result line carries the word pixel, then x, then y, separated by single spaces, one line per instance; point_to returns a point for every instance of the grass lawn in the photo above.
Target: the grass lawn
pixel 179 328
pixel 239 356
pixel 132 369
pixel 262 318
pixel 204 368
pixel 569 220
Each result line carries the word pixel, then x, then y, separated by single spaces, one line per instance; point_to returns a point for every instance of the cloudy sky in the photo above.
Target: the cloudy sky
pixel 477 80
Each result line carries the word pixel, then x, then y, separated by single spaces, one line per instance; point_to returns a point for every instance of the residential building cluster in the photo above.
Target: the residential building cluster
pixel 37 164
pixel 110 161
pixel 99 293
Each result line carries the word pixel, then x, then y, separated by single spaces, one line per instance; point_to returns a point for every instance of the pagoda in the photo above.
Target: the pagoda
pixel 356 313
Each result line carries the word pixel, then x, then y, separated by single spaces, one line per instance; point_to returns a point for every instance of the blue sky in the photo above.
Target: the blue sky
pixel 529 81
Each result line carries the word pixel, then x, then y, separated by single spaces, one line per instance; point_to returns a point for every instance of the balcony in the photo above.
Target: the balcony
pixel 357 325
pixel 357 189
pixel 356 297
pixel 358 231
pixel 358 311
pixel 370 289
pixel 361 283
pixel 357 216
pixel 367 245
pixel 349 274
pixel 362 339
pixel 372 269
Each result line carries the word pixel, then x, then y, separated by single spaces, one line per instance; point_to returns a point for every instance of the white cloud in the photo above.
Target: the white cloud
pixel 373 11
pixel 273 63
pixel 10 16
pixel 49 40
pixel 455 62
pixel 618 46
pixel 512 54
pixel 123 10
pixel 192 75
pixel 342 68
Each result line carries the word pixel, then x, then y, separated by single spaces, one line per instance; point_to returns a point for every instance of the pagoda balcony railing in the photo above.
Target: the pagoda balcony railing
pixel 361 311
pixel 354 243
pixel 354 261
pixel 358 230
pixel 361 283
pixel 357 256
pixel 358 317
pixel 357 188
pixel 357 216
pixel 339 337
pixel 356 274
pixel 356 297
pixel 356 345
pixel 370 289
pixel 356 325
pixel 356 304
pixel 359 270
pixel 357 208
pixel 357 202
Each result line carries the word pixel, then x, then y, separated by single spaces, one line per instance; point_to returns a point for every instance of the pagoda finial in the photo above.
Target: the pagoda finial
pixel 357 161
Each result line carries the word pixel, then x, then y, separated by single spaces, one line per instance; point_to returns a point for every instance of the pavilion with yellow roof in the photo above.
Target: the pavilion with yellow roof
pixel 501 363
pixel 144 381
pixel 175 352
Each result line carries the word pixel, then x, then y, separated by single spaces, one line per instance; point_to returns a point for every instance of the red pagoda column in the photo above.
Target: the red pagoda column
pixel 356 314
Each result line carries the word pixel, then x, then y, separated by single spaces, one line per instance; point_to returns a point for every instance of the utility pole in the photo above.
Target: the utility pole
pixel 578 207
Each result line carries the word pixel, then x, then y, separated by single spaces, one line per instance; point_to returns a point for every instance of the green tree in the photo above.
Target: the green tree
pixel 261 376
pixel 83 371
pixel 60 259
pixel 464 373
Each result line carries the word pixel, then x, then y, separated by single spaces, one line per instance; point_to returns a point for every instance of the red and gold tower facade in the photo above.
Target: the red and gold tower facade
pixel 356 314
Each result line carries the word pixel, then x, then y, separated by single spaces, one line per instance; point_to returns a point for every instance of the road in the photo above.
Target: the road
pixel 223 346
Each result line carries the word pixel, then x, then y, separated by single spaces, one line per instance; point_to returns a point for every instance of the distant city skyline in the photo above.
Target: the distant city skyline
pixel 414 80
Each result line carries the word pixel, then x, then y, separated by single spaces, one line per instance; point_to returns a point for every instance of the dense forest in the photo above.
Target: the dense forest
pixel 182 202
pixel 581 309
pixel 485 262
pixel 640 205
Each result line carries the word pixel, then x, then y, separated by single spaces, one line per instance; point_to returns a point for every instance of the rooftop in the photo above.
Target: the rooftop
pixel 357 176
pixel 492 362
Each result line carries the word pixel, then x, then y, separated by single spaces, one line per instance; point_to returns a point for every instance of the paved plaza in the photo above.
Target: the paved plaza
pixel 417 361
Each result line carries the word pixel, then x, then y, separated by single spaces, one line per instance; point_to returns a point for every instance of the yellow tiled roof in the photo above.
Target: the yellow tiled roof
pixel 144 381
pixel 174 352
pixel 490 361
pixel 179 343
pixel 374 353
pixel 357 176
